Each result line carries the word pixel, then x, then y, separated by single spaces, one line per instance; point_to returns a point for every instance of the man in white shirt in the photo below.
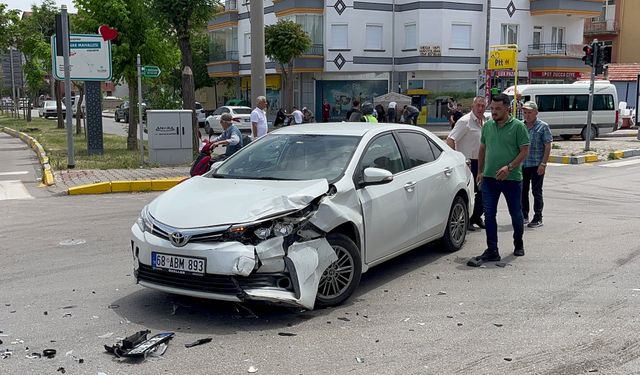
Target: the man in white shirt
pixel 259 119
pixel 391 112
pixel 465 137
pixel 298 117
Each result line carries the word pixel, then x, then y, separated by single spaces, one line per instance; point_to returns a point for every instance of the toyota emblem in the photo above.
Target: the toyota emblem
pixel 178 239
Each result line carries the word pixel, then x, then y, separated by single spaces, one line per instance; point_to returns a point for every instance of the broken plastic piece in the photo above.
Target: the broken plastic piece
pixel 287 334
pixel 359 360
pixel 137 345
pixel 106 335
pixel 252 370
pixel 49 353
pixel 62 370
pixel 33 356
pixel 157 351
pixel 198 342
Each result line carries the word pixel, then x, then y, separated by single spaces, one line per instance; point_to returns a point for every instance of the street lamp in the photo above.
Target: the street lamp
pixel 256 18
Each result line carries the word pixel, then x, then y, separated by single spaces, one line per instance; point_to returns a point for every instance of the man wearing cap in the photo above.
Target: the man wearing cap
pixel 230 137
pixel 535 165
pixel 465 137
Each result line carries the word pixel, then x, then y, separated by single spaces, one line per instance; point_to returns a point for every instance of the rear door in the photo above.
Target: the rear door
pixel 434 182
pixel 389 210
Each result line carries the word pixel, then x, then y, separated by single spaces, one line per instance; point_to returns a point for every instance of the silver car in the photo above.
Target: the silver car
pixel 298 215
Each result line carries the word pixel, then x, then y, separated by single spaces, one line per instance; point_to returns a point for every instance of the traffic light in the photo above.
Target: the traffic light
pixel 588 55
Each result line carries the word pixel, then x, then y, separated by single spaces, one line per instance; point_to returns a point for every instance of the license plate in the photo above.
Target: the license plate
pixel 179 264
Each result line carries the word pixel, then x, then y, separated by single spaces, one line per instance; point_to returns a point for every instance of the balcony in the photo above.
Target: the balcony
pixel 601 27
pixel 221 55
pixel 562 49
pixel 315 50
pixel 578 8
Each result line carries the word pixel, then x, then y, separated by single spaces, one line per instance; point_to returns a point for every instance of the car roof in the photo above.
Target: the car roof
pixel 343 128
pixel 236 107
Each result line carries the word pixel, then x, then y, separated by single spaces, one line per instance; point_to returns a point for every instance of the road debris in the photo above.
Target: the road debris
pixel 359 359
pixel 6 354
pixel 106 335
pixel 113 306
pixel 33 356
pixel 62 370
pixel 442 293
pixel 138 345
pixel 198 342
pixel 498 324
pixel 49 353
pixel 344 319
pixel 287 334
pixel 252 369
pixel 508 359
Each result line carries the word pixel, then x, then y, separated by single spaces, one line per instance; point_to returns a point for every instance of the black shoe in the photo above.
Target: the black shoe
pixel 487 256
pixel 471 228
pixel 519 252
pixel 478 222
pixel 535 224
pixel 525 221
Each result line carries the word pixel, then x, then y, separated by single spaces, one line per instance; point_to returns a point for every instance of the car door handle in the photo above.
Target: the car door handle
pixel 409 186
pixel 448 171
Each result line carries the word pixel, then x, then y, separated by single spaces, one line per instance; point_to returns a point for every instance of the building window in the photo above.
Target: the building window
pixel 312 24
pixel 374 37
pixel 509 34
pixel 460 36
pixel 247 44
pixel 410 36
pixel 557 35
pixel 537 36
pixel 339 36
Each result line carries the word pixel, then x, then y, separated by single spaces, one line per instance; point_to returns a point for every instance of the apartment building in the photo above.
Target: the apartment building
pixel 362 49
pixel 617 26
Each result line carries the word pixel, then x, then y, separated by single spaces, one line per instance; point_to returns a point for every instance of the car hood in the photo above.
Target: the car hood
pixel 201 201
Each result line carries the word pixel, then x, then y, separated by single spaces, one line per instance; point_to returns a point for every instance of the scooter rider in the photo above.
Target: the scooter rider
pixel 230 137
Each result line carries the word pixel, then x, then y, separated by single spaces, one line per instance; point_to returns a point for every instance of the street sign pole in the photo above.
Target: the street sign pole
pixel 140 111
pixel 596 50
pixel 637 105
pixel 67 87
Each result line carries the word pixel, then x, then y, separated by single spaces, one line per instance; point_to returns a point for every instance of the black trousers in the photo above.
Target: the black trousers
pixel 477 201
pixel 531 178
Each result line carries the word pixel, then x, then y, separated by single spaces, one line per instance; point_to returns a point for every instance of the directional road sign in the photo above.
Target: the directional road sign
pixel 150 71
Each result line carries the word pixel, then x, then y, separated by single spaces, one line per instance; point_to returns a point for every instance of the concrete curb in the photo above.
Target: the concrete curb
pixel 126 186
pixel 621 154
pixel 47 172
pixel 592 158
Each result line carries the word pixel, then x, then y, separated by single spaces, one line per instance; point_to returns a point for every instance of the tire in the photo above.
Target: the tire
pixel 594 133
pixel 348 265
pixel 565 137
pixel 457 224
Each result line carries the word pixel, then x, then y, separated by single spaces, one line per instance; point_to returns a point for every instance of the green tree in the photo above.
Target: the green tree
pixel 284 42
pixel 138 33
pixel 183 17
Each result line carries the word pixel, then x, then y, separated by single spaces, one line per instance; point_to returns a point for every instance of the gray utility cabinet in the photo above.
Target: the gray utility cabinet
pixel 170 136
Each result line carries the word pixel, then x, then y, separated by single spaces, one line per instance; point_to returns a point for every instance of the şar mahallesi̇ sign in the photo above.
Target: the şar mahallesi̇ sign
pixel 89 58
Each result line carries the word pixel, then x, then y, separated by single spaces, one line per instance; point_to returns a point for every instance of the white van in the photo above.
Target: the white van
pixel 564 107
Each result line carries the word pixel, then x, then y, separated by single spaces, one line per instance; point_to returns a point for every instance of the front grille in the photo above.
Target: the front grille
pixel 220 284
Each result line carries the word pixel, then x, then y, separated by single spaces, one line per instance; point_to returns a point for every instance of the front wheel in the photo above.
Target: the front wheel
pixel 341 278
pixel 457 224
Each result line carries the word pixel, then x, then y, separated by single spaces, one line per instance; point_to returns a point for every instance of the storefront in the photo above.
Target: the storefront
pixel 273 84
pixel 341 93
pixel 553 77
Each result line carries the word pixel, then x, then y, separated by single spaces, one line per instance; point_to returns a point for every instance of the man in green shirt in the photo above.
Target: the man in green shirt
pixel 504 145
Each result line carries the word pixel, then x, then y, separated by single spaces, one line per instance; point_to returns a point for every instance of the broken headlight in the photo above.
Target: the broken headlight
pixel 277 227
pixel 144 221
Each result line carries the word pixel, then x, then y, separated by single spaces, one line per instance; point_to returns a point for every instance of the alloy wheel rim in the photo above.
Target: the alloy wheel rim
pixel 457 225
pixel 338 276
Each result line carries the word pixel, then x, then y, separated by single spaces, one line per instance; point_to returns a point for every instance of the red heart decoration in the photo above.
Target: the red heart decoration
pixel 107 32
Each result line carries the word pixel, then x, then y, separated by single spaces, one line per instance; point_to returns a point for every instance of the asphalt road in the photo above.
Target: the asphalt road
pixel 570 306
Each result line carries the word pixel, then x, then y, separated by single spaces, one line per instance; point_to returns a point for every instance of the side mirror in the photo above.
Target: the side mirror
pixel 377 176
pixel 215 165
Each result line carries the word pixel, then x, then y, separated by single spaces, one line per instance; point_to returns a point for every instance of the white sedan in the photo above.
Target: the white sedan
pixel 49 109
pixel 241 117
pixel 297 216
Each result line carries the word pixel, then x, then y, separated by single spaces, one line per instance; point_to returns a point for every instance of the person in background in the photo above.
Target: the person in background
pixel 465 137
pixel 354 114
pixel 517 104
pixel 368 113
pixel 457 114
pixel 296 115
pixel 281 116
pixel 535 165
pixel 504 145
pixel 259 118
pixel 391 112
pixel 326 111
pixel 307 115
pixel 380 113
pixel 230 137
pixel 411 114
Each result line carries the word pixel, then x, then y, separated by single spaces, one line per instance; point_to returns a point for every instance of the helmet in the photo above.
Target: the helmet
pixel 366 108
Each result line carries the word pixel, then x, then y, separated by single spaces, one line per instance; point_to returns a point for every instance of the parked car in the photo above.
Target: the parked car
pixel 241 117
pixel 49 109
pixel 200 114
pixel 298 215
pixel 122 111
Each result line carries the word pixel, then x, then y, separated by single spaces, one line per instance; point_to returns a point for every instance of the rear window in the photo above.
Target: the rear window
pixel 603 102
pixel 242 111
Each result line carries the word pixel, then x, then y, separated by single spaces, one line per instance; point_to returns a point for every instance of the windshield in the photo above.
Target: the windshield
pixel 242 111
pixel 292 157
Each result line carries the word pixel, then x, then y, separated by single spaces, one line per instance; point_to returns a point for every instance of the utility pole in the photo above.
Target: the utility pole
pixel 67 87
pixel 594 66
pixel 637 105
pixel 13 84
pixel 140 125
pixel 486 50
pixel 258 84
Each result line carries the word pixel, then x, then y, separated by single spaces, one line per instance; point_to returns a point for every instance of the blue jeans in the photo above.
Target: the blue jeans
pixel 512 191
